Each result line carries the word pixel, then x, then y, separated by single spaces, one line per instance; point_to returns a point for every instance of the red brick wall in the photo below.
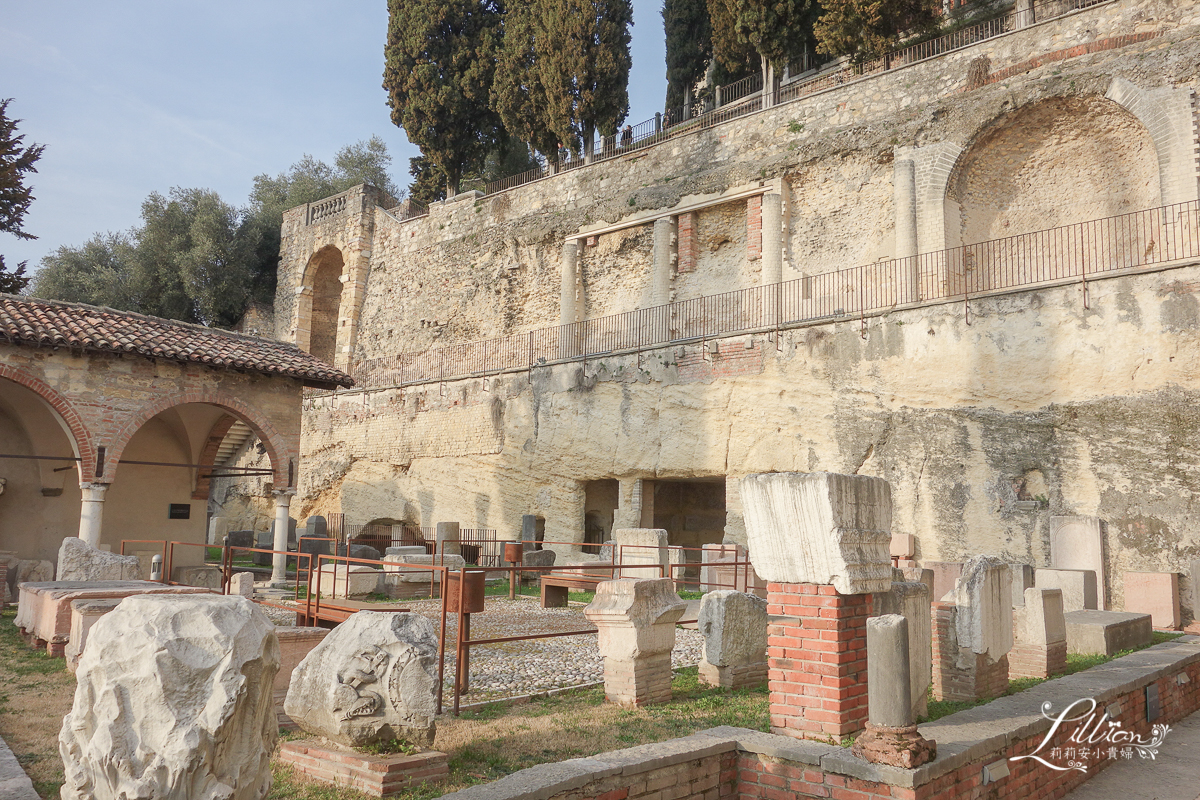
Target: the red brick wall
pixel 754 227
pixel 731 360
pixel 689 243
pixel 979 679
pixel 818 663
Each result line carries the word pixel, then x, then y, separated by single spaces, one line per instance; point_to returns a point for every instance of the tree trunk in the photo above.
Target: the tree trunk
pixel 589 142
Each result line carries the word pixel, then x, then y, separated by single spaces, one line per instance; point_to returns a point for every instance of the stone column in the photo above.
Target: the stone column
pixel 910 599
pixel 636 622
pixel 821 542
pixel 772 239
pixel 1039 636
pixel 972 635
pixel 891 737
pixel 568 292
pixel 91 513
pixel 528 532
pixel 660 283
pixel 448 534
pixel 734 625
pixel 905 191
pixel 1024 14
pixel 283 502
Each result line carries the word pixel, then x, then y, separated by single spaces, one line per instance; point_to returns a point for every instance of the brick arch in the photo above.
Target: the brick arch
pixel 280 453
pixel 78 434
pixel 993 189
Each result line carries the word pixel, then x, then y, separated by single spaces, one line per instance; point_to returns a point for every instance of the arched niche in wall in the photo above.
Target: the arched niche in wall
pixel 1053 163
pixel 319 303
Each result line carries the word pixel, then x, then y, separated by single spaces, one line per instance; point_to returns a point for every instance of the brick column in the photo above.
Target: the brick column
pixel 754 227
pixel 817 660
pixel 689 242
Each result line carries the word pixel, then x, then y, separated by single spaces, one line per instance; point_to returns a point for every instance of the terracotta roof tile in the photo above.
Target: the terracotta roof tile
pixel 50 323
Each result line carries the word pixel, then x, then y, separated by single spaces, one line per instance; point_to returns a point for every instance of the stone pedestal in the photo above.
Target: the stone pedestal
pixel 1039 636
pixel 636 621
pixel 734 625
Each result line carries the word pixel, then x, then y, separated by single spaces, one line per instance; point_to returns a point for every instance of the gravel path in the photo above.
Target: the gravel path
pixel 512 669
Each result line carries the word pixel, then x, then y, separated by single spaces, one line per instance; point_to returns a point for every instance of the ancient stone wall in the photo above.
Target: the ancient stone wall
pixel 958 404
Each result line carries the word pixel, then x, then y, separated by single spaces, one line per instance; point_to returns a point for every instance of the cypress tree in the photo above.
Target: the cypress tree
pixel 734 59
pixel 864 29
pixel 517 91
pixel 440 62
pixel 689 45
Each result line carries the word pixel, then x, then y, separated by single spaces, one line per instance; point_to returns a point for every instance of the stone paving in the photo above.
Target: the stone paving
pixel 512 669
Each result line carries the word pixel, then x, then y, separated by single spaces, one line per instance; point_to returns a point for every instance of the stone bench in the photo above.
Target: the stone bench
pixel 1106 632
pixel 44 607
pixel 555 588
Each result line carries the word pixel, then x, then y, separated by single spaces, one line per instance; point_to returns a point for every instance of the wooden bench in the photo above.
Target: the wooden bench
pixel 556 587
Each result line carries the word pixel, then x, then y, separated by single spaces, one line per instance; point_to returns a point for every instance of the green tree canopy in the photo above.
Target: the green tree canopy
pixel 518 94
pixel 439 64
pixel 780 31
pixel 16 161
pixel 99 272
pixel 689 45
pixel 864 29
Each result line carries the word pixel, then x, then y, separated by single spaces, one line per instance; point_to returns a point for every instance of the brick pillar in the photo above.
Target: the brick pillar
pixel 754 227
pixel 689 242
pixel 817 660
pixel 958 673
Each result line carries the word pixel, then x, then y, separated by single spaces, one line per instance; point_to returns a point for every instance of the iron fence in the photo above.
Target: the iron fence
pixel 1127 241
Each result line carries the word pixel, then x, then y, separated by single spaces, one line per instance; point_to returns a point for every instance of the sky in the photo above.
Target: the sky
pixel 138 96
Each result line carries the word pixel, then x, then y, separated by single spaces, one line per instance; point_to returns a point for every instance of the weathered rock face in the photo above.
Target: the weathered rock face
pixel 734 625
pixel 28 571
pixel 173 702
pixel 820 528
pixel 79 561
pixel 373 678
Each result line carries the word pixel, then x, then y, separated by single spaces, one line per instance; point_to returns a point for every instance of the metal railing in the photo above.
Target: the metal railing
pixel 746 96
pixel 1071 252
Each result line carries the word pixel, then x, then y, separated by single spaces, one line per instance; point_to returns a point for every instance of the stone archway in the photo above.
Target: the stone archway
pixel 318 308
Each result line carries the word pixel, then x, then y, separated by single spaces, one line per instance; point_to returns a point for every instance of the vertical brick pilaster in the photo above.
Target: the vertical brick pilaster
pixel 689 243
pixel 817 660
pixel 754 227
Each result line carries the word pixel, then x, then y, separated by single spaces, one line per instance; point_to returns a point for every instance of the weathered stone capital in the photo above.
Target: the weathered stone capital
pixel 896 747
pixel 93 492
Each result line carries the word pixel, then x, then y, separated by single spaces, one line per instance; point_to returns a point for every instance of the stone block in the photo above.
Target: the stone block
pixel 910 599
pixel 355 580
pixel 242 584
pixel 945 575
pixel 363 551
pixel 983 595
pixel 241 539
pixel 79 561
pixel 448 537
pixel 734 625
pixel 406 550
pixel 264 540
pixel 44 608
pixel 820 528
pixel 173 702
pixel 1022 579
pixel 206 576
pixel 537 558
pixel 903 545
pixel 715 554
pixel 1078 543
pixel 317 527
pixel 24 570
pixel 642 546
pixel 373 678
pixel 1078 586
pixel 84 614
pixel 920 575
pixel 1106 632
pixel 1156 594
pixel 1040 619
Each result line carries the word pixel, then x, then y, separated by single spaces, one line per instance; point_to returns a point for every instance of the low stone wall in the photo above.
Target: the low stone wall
pixel 974 748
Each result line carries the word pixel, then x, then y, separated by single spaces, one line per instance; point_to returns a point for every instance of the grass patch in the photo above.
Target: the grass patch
pixel 37 693
pixel 1075 663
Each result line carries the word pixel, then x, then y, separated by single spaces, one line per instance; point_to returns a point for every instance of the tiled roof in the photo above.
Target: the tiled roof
pixel 50 323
